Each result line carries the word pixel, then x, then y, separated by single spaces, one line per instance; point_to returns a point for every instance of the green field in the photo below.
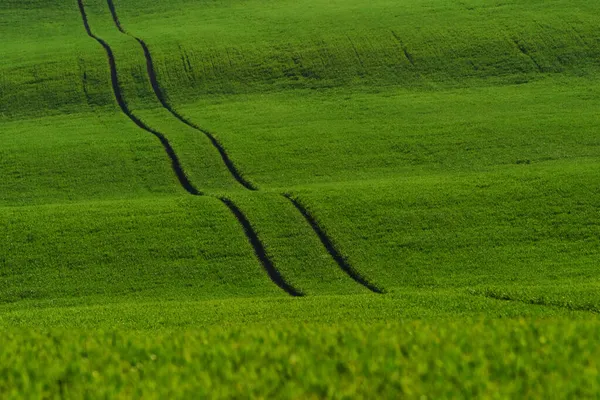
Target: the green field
pixel 284 199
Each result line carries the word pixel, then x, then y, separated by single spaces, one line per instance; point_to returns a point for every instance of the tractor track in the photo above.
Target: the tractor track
pixel 499 296
pixel 259 249
pixel 165 103
pixel 407 54
pixel 523 50
pixel 331 248
pixel 175 163
pixel 250 233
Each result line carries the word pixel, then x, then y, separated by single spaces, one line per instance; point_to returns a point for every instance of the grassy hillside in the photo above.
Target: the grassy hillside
pixel 397 198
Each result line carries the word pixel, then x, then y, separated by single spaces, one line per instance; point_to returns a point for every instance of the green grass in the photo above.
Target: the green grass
pixel 493 359
pixel 447 152
pixel 341 135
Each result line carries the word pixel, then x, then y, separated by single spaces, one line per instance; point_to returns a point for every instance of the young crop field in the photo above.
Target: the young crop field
pixel 299 199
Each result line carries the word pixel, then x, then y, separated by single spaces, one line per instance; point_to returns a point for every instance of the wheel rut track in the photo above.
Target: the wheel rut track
pixel 250 233
pixel 590 308
pixel 252 237
pixel 521 47
pixel 165 103
pixel 407 54
pixel 331 248
pixel 176 164
pixel 260 251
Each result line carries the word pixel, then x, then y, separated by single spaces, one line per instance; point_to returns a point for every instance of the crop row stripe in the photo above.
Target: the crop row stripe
pixel 251 235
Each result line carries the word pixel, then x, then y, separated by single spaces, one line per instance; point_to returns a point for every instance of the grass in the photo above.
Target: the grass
pixel 444 152
pixel 341 135
pixel 485 359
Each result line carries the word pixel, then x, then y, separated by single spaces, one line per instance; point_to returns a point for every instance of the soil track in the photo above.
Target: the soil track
pixel 165 103
pixel 332 250
pixel 539 301
pixel 251 235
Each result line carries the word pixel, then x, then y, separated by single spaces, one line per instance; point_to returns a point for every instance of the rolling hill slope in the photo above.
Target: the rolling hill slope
pixel 282 166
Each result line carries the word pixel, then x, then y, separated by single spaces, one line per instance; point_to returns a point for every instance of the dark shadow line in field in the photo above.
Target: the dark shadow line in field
pixel 331 248
pixel 175 163
pixel 251 235
pixel 84 82
pixel 592 308
pixel 165 103
pixel 260 251
pixel 356 53
pixel 408 56
pixel 525 52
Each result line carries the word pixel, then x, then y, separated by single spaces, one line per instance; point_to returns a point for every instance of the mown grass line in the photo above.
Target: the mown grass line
pixel 251 235
pixel 176 164
pixel 165 103
pixel 325 240
pixel 260 251
pixel 331 248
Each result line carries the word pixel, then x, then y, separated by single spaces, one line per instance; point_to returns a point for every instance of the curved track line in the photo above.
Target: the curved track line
pixel 165 103
pixel 260 251
pixel 588 307
pixel 176 164
pixel 253 238
pixel 408 56
pixel 332 250
pixel 251 235
pixel 521 47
